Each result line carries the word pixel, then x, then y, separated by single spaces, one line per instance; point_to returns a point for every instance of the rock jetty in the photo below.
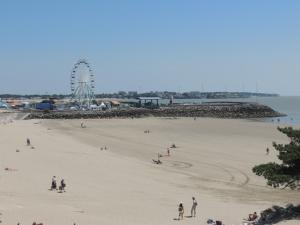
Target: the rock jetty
pixel 214 110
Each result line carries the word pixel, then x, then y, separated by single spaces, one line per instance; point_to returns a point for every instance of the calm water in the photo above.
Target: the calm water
pixel 287 105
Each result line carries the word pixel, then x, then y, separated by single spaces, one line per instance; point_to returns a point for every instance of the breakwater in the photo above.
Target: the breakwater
pixel 214 110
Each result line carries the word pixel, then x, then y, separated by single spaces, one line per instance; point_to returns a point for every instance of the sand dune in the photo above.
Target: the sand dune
pixel 121 185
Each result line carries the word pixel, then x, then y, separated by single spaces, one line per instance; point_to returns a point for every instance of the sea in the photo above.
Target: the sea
pixel 289 105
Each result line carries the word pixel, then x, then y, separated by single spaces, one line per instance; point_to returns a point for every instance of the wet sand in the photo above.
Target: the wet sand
pixel 121 185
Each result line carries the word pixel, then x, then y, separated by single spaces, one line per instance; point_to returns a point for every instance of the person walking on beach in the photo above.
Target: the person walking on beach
pixel 193 209
pixel 180 211
pixel 267 151
pixel 168 151
pixel 53 183
pixel 62 185
pixel 28 141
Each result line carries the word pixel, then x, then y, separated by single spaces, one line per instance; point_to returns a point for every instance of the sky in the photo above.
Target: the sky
pixel 151 45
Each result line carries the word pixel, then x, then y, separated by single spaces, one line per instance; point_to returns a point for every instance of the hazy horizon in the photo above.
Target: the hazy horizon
pixel 151 45
pixel 116 92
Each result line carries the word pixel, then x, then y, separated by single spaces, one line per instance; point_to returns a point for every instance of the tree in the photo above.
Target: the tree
pixel 286 174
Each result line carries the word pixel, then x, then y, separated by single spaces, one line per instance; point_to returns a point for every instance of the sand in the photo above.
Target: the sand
pixel 121 185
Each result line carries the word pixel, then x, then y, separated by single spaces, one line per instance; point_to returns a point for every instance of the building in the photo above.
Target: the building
pixel 148 102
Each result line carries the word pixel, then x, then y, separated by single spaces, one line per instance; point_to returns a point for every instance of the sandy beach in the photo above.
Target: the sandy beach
pixel 121 185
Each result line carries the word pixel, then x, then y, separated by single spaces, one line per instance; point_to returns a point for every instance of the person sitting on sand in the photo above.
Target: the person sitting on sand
pixel 252 217
pixel 180 211
pixel 157 161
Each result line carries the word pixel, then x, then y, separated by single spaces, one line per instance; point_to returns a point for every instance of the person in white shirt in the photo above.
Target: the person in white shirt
pixel 194 205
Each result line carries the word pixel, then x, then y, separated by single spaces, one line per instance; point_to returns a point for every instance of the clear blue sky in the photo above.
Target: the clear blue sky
pixel 144 45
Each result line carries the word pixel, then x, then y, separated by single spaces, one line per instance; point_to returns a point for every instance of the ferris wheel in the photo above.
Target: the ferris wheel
pixel 82 84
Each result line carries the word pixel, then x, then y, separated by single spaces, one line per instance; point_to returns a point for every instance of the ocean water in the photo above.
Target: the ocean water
pixel 289 105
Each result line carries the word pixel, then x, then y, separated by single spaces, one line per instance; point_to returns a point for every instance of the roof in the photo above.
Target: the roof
pixel 115 102
pixel 149 98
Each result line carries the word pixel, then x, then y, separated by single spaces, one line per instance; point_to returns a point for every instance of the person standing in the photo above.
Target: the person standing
pixel 180 211
pixel 53 183
pixel 28 141
pixel 62 185
pixel 193 209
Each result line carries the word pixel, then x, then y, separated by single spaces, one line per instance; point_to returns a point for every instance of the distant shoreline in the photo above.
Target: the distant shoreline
pixel 161 94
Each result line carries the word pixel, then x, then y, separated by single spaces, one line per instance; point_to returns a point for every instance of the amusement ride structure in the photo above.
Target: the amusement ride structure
pixel 82 84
